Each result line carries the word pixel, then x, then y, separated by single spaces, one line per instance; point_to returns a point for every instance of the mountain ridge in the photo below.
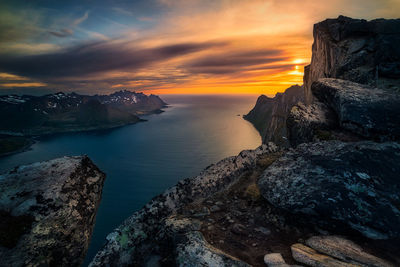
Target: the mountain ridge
pixel 27 116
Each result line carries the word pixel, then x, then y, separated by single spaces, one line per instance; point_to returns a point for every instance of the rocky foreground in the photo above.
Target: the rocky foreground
pixel 47 212
pixel 326 196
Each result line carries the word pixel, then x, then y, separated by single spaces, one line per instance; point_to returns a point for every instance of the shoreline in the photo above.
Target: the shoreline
pixel 32 138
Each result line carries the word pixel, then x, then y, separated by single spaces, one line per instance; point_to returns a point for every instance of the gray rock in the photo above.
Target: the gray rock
pixel 367 111
pixel 355 184
pixel 193 250
pixel 309 123
pixel 274 260
pixel 361 51
pixel 310 257
pixel 263 230
pixel 238 229
pixel 215 208
pixel 269 114
pixel 48 211
pixel 345 250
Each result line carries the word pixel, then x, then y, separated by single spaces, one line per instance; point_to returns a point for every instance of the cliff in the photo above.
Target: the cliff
pixel 48 211
pixel 269 114
pixel 366 52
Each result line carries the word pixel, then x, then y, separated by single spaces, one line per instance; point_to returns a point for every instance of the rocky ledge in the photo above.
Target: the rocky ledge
pixel 339 184
pixel 48 211
pixel 361 51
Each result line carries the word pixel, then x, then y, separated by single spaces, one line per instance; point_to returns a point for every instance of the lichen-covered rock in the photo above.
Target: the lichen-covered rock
pixel 144 234
pixel 354 185
pixel 310 257
pixel 269 114
pixel 48 211
pixel 191 249
pixel 309 123
pixel 345 250
pixel 366 111
pixel 361 51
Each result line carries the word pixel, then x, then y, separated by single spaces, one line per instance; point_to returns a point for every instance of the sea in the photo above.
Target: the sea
pixel 144 159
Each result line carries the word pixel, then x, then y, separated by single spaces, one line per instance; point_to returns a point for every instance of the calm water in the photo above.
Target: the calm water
pixel 144 159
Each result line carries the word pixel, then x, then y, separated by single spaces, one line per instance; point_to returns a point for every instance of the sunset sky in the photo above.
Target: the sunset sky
pixel 164 46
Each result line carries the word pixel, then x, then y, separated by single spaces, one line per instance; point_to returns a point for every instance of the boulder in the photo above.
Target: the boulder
pixel 367 111
pixel 361 51
pixel 310 257
pixel 310 123
pixel 48 212
pixel 345 250
pixel 354 185
pixel 191 249
pixel 275 260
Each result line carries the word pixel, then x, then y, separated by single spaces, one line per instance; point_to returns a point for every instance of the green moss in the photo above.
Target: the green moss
pixel 123 240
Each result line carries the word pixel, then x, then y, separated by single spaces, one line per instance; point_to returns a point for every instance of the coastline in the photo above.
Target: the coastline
pixel 31 138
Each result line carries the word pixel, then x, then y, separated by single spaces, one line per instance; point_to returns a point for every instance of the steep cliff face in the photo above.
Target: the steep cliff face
pixel 47 212
pixel 366 52
pixel 269 114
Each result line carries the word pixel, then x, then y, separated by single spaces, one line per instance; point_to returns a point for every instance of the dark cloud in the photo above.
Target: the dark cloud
pixel 62 33
pixel 94 58
pixel 231 62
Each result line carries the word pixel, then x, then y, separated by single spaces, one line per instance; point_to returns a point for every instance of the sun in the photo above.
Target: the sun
pixel 298 61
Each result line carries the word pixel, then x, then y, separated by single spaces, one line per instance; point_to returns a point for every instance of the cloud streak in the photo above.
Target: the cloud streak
pixel 232 62
pixel 95 58
pixel 70 31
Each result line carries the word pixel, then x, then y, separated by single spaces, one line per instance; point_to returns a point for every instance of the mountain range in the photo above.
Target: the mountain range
pixel 54 113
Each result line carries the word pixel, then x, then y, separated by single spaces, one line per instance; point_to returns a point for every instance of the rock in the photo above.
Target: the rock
pixel 263 230
pixel 238 229
pixel 361 51
pixel 276 260
pixel 354 184
pixel 204 212
pixel 48 211
pixel 193 250
pixel 345 250
pixel 140 235
pixel 215 208
pixel 369 112
pixel 310 123
pixel 310 257
pixel 269 114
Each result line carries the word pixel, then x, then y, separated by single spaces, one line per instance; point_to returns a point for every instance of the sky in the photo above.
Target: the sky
pixel 164 46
